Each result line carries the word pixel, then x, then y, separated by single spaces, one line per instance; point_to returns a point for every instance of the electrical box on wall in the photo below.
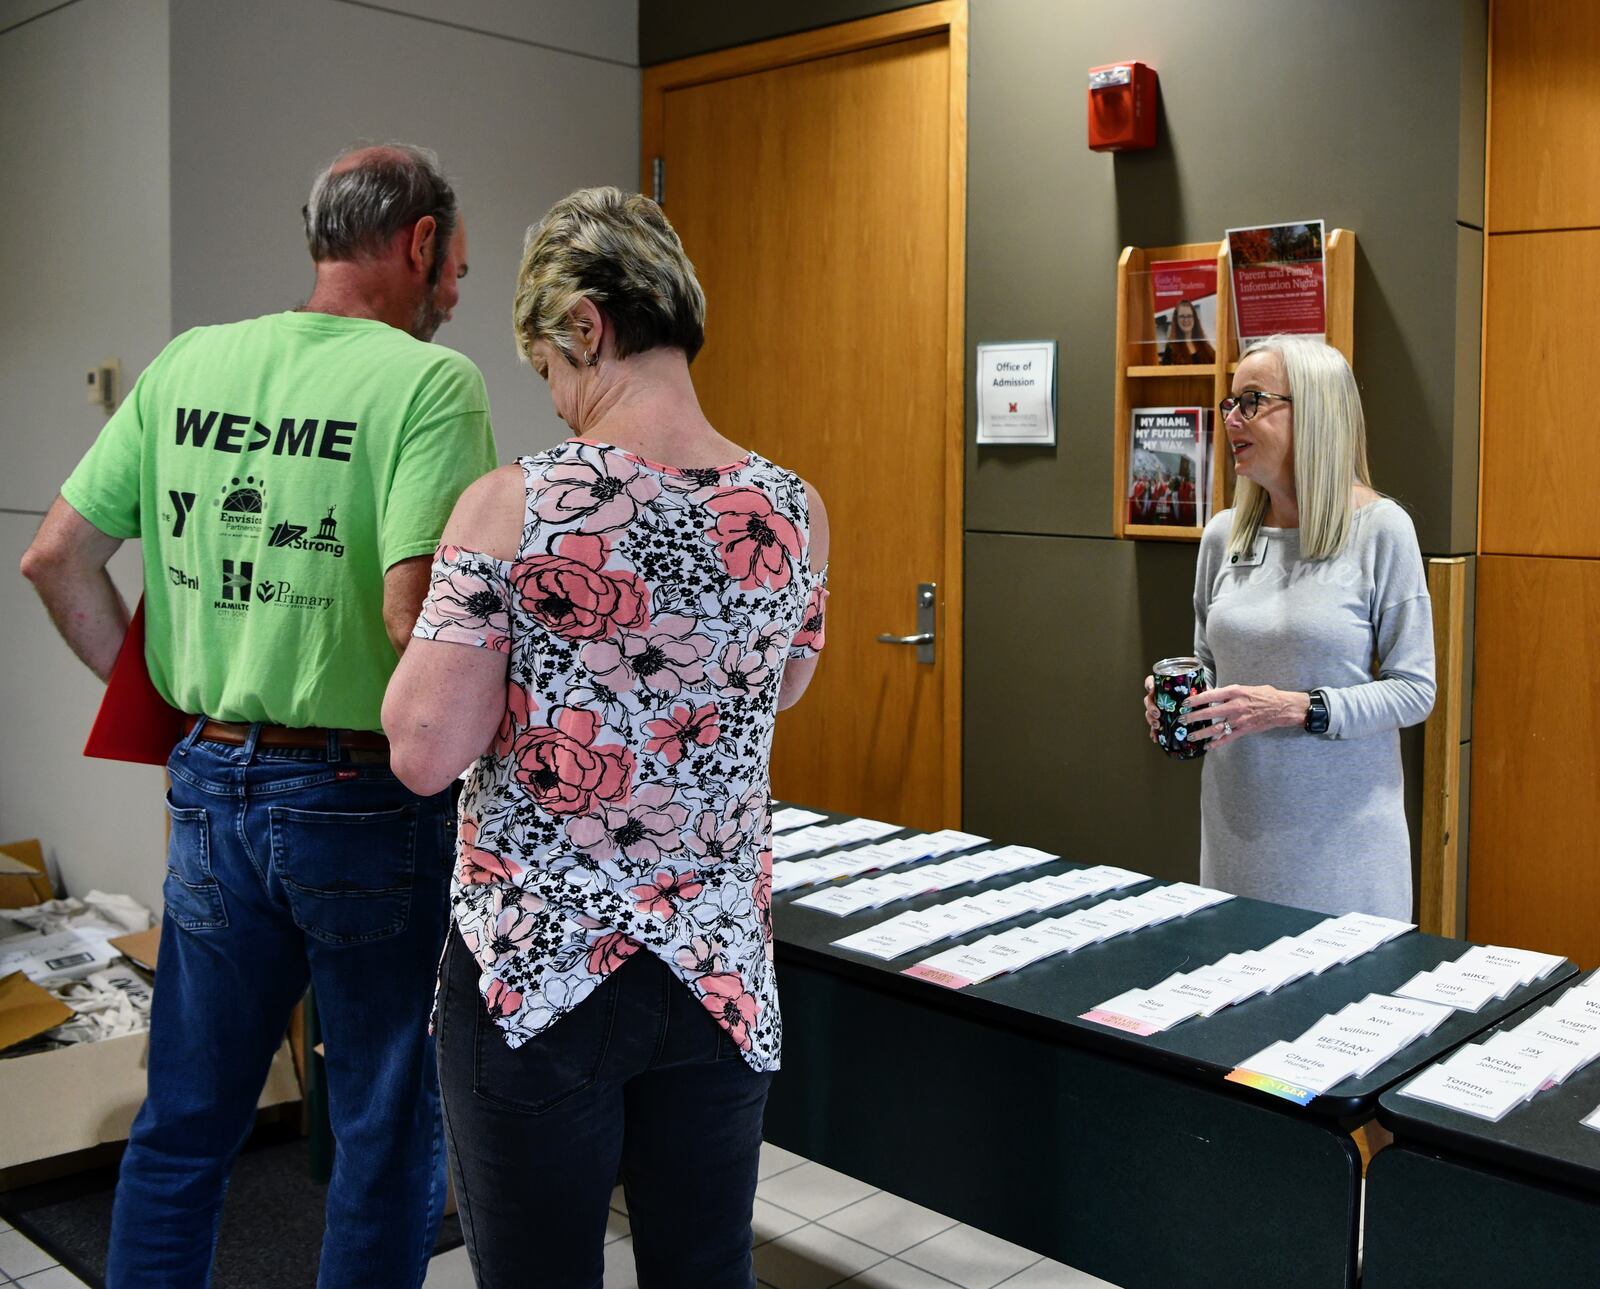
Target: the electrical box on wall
pixel 1122 107
pixel 102 384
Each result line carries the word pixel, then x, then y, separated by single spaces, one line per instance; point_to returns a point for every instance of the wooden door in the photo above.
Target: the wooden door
pixel 818 183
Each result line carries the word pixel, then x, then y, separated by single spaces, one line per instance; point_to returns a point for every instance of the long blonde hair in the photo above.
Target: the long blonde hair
pixel 1330 449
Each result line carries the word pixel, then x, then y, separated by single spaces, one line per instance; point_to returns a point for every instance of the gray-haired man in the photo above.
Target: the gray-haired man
pixel 289 477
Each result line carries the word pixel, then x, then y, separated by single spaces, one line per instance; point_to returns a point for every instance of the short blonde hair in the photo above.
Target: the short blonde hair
pixel 618 250
pixel 1330 449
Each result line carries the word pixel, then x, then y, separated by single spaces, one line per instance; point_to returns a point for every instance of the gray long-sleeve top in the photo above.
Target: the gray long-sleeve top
pixel 1316 821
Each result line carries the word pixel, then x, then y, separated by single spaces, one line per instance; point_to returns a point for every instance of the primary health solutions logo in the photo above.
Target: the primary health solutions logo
pixel 240 585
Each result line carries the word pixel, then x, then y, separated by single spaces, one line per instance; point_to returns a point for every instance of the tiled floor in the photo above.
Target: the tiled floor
pixel 816 1228
pixel 23 1263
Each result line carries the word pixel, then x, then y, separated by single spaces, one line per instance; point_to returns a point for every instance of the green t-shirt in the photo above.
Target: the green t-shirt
pixel 276 468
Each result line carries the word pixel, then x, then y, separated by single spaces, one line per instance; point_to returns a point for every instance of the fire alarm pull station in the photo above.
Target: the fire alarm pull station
pixel 1122 107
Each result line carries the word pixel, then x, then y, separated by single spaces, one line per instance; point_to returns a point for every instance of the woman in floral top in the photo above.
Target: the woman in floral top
pixel 637 605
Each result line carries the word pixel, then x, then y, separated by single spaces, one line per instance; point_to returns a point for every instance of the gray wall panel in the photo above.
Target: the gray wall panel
pixel 600 28
pixel 1262 119
pixel 1474 109
pixel 83 146
pixel 669 29
pixel 257 107
pixel 1059 635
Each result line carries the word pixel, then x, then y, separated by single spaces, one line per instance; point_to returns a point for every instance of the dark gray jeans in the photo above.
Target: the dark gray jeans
pixel 638 1078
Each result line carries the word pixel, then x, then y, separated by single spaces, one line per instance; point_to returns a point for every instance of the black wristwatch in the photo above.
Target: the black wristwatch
pixel 1317 713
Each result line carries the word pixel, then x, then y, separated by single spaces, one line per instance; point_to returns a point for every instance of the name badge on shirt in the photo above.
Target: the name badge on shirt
pixel 1251 558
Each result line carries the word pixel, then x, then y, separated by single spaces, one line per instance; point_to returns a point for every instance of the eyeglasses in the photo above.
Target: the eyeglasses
pixel 1249 403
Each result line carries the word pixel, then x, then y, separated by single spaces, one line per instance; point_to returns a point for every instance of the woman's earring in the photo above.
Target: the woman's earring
pixel 591 360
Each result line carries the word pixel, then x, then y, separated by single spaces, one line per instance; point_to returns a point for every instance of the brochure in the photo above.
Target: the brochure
pixel 1167 481
pixel 1278 281
pixel 1183 298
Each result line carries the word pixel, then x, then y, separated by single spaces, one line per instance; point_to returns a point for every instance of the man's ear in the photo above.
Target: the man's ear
pixel 424 236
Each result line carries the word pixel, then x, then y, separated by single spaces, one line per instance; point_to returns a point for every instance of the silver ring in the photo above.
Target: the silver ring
pixel 1227 729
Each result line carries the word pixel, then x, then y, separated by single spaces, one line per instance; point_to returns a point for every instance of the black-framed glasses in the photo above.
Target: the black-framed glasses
pixel 1249 402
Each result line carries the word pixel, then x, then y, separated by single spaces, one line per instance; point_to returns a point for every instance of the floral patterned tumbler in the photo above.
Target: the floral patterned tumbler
pixel 1176 679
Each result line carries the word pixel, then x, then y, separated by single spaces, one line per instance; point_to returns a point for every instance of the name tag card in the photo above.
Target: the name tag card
pixel 1528 965
pixel 1484 1098
pixel 1314 1070
pixel 794 817
pixel 1438 987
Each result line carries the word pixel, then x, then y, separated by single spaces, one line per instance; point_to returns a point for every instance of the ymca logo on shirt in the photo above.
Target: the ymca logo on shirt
pixel 182 504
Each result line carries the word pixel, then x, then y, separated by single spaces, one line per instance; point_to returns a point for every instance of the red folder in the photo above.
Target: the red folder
pixel 134 722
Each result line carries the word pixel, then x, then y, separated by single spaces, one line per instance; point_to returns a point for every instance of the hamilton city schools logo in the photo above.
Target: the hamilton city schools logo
pixel 293 537
pixel 236 579
pixel 182 504
pixel 180 578
pixel 241 505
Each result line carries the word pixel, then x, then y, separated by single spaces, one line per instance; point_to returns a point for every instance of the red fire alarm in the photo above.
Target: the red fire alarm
pixel 1122 107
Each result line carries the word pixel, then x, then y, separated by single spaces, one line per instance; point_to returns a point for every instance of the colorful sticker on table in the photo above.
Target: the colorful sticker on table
pixel 1273 1087
pixel 1127 1024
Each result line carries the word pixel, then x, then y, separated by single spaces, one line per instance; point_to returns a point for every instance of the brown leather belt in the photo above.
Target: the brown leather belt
pixel 282 736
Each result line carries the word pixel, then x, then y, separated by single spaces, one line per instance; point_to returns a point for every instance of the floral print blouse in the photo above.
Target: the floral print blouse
pixel 624 804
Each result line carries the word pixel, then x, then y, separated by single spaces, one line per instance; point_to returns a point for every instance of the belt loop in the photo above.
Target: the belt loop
pixel 188 739
pixel 248 751
pixel 333 745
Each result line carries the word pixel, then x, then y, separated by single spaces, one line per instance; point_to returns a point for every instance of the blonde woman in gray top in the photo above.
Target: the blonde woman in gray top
pixel 1312 612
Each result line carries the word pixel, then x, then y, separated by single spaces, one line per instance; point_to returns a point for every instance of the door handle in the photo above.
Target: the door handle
pixel 926 634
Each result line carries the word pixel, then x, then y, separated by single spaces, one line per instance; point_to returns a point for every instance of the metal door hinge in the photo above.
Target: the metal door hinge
pixel 658 179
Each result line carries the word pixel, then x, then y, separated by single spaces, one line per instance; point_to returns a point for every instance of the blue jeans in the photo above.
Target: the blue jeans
pixel 637 1078
pixel 289 864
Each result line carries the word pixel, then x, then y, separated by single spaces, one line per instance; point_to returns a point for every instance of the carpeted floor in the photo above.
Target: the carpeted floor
pixel 271 1221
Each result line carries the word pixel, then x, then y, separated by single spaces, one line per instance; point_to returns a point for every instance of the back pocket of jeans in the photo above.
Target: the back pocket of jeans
pixel 554 1065
pixel 347 876
pixel 192 895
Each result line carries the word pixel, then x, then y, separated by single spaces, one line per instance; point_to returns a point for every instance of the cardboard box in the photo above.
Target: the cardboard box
pixel 26 1010
pixel 87 1094
pixel 23 878
pixel 74 1098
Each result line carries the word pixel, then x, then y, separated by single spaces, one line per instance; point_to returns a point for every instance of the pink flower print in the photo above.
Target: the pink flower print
pixel 501 1000
pixel 762 894
pixel 602 489
pixel 812 634
pixel 739 671
pixel 520 706
pixel 513 932
pixel 723 995
pixel 714 839
pixel 572 593
pixel 659 897
pixel 563 769
pixel 464 597
pixel 700 955
pixel 768 641
pixel 479 867
pixel 756 542
pixel 648 827
pixel 672 736
pixel 663 659
pixel 609 952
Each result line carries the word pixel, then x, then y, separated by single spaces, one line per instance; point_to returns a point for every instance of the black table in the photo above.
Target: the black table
pixel 1461 1202
pixel 1128 1157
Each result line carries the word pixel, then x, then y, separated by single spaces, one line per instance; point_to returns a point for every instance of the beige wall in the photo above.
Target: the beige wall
pixel 165 148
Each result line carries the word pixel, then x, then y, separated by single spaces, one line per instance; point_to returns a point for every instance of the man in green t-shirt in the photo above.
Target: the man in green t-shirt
pixel 289 477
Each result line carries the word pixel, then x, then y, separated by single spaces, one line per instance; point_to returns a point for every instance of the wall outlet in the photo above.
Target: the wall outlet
pixel 103 383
